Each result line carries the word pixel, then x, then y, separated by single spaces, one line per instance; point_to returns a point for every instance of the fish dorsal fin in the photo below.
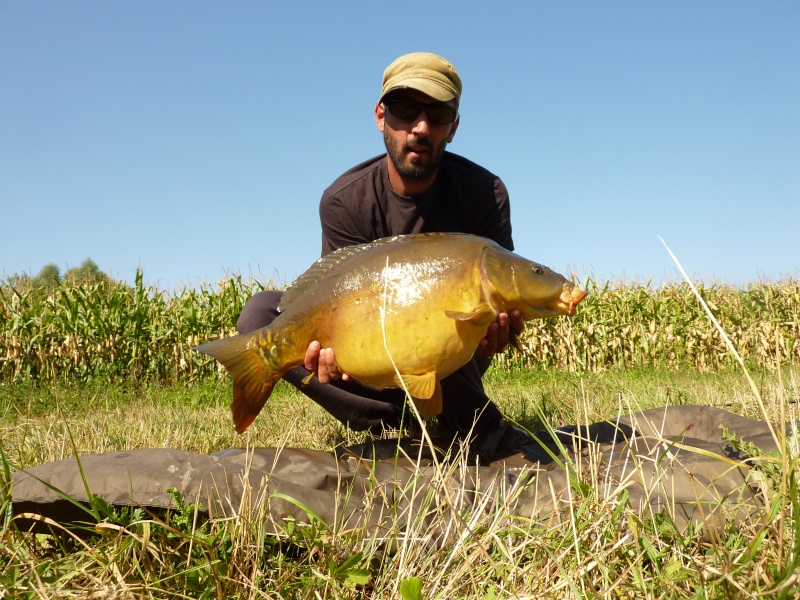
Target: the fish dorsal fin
pixel 321 268
pixel 477 314
pixel 425 390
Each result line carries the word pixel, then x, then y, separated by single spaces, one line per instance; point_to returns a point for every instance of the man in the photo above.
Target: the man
pixel 415 187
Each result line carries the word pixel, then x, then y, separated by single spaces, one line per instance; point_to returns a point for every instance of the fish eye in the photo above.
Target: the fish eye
pixel 538 270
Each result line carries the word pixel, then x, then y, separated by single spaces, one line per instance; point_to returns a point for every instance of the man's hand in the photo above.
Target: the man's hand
pixel 500 332
pixel 322 361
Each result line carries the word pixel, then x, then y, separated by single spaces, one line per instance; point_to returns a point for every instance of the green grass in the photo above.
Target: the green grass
pixel 603 550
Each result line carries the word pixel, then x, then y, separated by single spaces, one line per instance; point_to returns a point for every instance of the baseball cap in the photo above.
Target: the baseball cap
pixel 425 72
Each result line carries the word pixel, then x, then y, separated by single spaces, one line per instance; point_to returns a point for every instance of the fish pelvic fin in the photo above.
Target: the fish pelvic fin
pixel 252 379
pixel 430 407
pixel 425 391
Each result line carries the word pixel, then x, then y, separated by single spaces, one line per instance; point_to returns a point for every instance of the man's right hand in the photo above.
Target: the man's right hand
pixel 322 361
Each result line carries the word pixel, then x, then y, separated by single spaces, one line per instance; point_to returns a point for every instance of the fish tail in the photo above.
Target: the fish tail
pixel 253 380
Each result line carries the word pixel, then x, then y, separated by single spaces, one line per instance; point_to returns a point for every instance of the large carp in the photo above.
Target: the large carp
pixel 417 305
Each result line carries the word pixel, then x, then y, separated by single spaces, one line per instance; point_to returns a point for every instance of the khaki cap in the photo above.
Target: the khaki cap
pixel 425 72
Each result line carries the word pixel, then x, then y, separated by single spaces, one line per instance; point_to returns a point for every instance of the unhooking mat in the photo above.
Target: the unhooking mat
pixel 673 461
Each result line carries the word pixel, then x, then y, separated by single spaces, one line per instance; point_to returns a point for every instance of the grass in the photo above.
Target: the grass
pixel 68 359
pixel 106 418
pixel 603 550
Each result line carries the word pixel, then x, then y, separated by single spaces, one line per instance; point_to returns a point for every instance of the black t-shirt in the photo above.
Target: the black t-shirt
pixel 360 206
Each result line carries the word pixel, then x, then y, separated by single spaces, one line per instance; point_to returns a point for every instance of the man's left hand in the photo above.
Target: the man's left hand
pixel 499 334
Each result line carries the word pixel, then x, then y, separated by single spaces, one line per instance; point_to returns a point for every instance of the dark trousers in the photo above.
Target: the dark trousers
pixel 363 407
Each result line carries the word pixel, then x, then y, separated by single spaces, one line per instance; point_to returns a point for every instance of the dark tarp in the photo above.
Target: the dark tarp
pixel 671 461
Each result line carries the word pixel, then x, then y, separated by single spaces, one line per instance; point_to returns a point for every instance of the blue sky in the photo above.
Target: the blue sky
pixel 194 139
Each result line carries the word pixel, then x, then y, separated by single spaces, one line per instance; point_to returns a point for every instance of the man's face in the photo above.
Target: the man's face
pixel 415 146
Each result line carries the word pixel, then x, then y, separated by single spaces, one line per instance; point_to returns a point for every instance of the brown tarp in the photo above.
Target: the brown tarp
pixel 672 461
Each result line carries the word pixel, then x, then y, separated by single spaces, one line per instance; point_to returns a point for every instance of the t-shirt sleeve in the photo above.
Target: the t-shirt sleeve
pixel 502 226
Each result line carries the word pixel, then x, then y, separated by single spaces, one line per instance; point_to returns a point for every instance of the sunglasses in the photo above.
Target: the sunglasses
pixel 407 109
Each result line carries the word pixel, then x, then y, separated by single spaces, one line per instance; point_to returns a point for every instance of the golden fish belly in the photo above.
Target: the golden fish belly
pixel 374 330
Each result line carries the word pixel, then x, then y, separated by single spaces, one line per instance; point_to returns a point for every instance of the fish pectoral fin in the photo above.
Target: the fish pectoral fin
pixel 479 313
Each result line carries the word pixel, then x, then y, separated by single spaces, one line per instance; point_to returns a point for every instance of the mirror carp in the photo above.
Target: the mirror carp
pixel 400 312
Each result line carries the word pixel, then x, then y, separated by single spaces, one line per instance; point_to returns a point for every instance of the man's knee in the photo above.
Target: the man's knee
pixel 259 311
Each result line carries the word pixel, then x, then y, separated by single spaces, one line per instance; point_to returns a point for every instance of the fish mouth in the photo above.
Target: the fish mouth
pixel 570 298
pixel 562 304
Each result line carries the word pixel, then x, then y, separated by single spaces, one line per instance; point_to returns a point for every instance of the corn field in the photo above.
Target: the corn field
pixel 111 331
pixel 621 325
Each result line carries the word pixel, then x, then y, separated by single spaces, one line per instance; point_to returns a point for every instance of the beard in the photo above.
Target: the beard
pixel 416 168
